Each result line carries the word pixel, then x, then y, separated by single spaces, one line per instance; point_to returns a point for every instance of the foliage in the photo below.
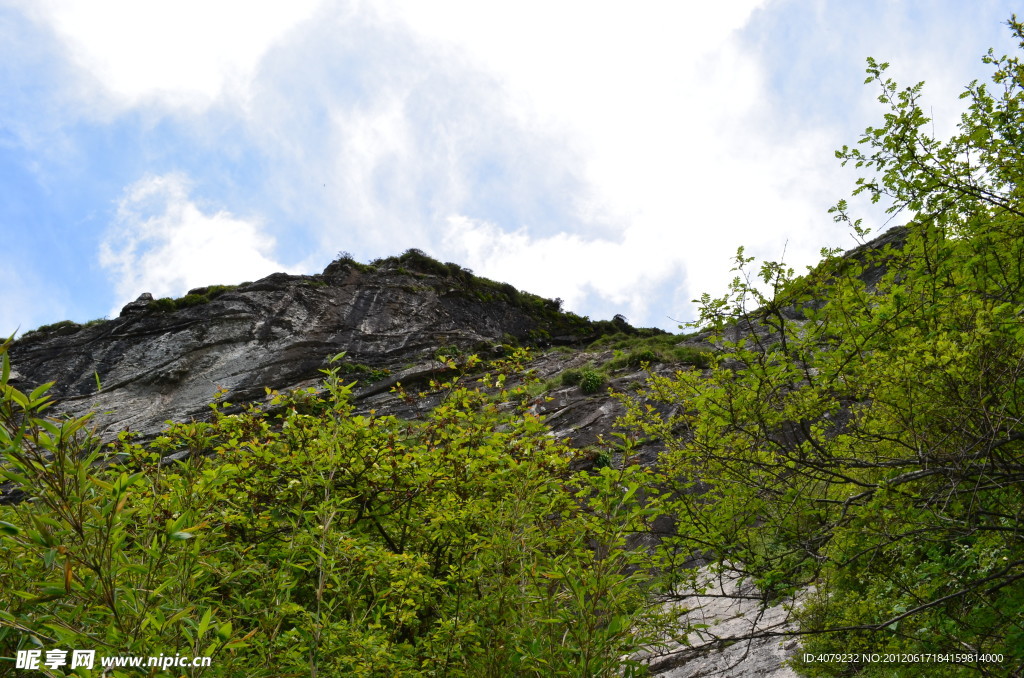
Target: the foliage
pixel 418 261
pixel 651 346
pixel 345 260
pixel 448 352
pixel 363 374
pixel 571 377
pixel 304 539
pixel 60 328
pixel 197 297
pixel 591 381
pixel 688 355
pixel 873 446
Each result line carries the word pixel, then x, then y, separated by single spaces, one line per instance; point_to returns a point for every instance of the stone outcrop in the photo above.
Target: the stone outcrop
pixel 165 360
pixel 736 635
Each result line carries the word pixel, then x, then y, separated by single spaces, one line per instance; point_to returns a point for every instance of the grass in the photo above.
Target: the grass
pixel 363 374
pixel 636 350
pixel 202 295
pixel 62 327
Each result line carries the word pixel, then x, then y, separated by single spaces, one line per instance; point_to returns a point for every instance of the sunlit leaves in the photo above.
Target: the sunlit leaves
pixel 865 436
pixel 304 538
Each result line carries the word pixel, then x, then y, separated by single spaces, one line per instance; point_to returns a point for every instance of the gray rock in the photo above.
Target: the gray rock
pixel 157 364
pixel 739 636
pixel 140 305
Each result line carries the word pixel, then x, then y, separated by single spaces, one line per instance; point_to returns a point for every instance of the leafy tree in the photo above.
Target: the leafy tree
pixel 304 539
pixel 869 451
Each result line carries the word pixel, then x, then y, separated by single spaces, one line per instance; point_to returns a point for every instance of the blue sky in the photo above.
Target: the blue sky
pixel 614 158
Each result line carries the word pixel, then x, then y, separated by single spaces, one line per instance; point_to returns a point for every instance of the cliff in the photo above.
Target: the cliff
pixel 164 359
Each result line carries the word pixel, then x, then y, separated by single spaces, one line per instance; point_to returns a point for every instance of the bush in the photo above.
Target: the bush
pixel 306 539
pixel 636 358
pixel 196 297
pixel 571 377
pixel 61 327
pixel 448 352
pixel 692 356
pixel 591 381
pixel 364 374
pixel 162 305
pixel 191 300
pixel 418 261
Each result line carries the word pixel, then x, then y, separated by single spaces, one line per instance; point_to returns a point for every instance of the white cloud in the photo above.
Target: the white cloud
pixel 642 94
pixel 602 129
pixel 637 137
pixel 164 243
pixel 649 142
pixel 668 115
pixel 183 53
pixel 565 265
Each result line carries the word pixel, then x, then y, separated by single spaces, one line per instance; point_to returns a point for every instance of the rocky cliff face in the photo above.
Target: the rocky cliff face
pixel 166 359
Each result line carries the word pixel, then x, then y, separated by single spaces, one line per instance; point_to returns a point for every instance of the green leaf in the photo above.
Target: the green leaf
pixel 8 529
pixel 15 395
pixel 38 392
pixel 204 623
pixel 15 477
pixel 178 615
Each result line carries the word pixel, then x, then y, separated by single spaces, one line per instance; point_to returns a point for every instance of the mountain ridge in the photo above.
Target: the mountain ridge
pixel 166 359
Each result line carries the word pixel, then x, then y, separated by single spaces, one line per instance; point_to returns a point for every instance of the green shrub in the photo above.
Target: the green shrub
pixel 61 327
pixel 418 261
pixel 191 300
pixel 635 358
pixel 304 539
pixel 601 457
pixel 196 297
pixel 571 377
pixel 162 305
pixel 591 381
pixel 448 352
pixel 692 356
pixel 509 292
pixel 345 260
pixel 365 374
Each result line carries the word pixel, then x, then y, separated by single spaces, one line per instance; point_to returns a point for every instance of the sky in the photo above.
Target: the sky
pixel 614 158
